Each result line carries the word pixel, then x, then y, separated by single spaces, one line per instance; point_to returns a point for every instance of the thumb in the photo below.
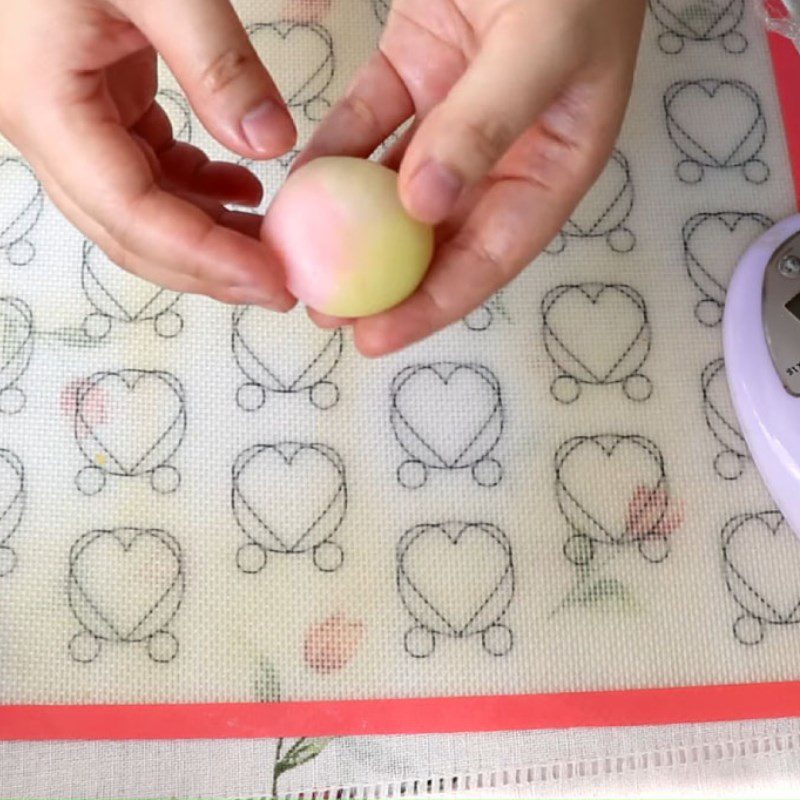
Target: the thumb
pixel 208 50
pixel 512 80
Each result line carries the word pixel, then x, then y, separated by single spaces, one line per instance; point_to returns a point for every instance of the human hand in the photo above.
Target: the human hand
pixel 516 105
pixel 78 84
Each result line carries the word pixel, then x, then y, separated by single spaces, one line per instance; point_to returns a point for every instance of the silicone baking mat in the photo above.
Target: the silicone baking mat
pixel 220 522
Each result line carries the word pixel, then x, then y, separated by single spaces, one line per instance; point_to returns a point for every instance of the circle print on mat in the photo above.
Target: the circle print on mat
pixel 734 142
pixel 125 587
pixel 597 334
pixel 16 340
pixel 284 355
pixel 447 416
pixel 456 579
pixel 289 498
pixel 129 424
pixel 730 461
pixel 713 243
pixel 691 21
pixel 612 490
pixel 604 212
pixel 21 205
pixel 761 558
pixel 119 296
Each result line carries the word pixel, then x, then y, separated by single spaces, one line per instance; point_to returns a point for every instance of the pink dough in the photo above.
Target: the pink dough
pixel 348 246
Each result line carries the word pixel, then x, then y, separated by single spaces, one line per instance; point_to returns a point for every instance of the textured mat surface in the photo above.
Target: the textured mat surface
pixel 205 505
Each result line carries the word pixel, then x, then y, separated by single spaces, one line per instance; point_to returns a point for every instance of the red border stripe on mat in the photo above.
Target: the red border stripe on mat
pixel 431 715
pixel 786 64
pixel 436 715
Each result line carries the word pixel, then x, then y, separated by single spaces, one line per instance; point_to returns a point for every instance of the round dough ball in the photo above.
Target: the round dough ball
pixel 348 246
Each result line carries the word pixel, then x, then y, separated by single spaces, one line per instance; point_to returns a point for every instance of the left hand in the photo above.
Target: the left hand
pixel 516 105
pixel 79 101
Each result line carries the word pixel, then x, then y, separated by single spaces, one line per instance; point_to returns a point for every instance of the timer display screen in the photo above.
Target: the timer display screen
pixel 793 307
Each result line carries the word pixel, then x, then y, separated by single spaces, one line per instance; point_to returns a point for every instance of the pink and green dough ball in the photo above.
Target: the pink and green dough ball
pixel 349 247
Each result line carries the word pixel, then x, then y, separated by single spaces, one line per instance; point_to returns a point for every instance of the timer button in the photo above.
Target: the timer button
pixel 789 266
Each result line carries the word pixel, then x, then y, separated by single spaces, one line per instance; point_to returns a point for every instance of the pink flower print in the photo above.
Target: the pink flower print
pixel 331 644
pixel 651 512
pixel 94 410
pixel 307 10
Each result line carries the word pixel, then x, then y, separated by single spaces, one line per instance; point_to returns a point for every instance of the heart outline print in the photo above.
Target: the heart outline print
pixel 116 619
pixel 12 509
pixel 382 9
pixel 152 459
pixel 730 462
pixel 17 351
pixel 473 451
pixel 720 25
pixel 698 156
pixel 708 310
pixel 323 521
pixel 760 609
pixel 15 229
pixel 590 530
pixel 575 370
pixel 611 223
pixel 272 175
pixel 485 611
pixel 483 317
pixel 157 308
pixel 311 377
pixel 310 95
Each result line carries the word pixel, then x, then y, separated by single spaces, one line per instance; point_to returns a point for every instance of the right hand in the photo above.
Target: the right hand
pixel 79 82
pixel 515 106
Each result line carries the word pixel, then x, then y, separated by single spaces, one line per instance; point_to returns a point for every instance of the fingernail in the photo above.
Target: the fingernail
pixel 433 191
pixel 283 303
pixel 326 320
pixel 256 296
pixel 269 128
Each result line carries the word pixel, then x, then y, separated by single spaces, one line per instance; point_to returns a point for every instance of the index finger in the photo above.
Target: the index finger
pixel 512 221
pixel 375 104
pixel 104 171
pixel 230 89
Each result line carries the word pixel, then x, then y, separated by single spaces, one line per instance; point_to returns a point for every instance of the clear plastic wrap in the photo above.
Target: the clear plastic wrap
pixel 783 16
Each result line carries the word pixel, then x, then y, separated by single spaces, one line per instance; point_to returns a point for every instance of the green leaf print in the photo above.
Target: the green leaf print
pixel 603 590
pixel 13 333
pixel 268 684
pixel 74 337
pixel 301 752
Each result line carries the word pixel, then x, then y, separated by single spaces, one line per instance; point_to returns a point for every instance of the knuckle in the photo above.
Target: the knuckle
pixel 194 268
pixel 358 108
pixel 444 310
pixel 492 264
pixel 121 225
pixel 550 163
pixel 570 119
pixel 486 140
pixel 223 294
pixel 118 229
pixel 119 256
pixel 225 69
pixel 12 113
